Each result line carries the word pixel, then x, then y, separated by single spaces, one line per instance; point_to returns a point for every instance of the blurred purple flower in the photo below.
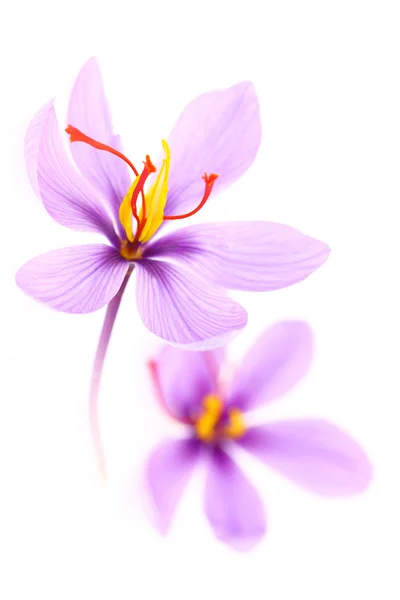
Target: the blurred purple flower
pixel 312 453
pixel 182 277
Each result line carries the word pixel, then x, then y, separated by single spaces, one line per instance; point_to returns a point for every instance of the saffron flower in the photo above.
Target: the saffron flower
pixel 182 277
pixel 313 454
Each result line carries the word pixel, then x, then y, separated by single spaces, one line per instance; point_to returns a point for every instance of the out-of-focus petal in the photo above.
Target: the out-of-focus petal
pixel 232 505
pixel 255 256
pixel 78 279
pixel 66 195
pixel 168 471
pixel 183 308
pixel 88 111
pixel 218 132
pixel 313 454
pixel 273 365
pixel 184 379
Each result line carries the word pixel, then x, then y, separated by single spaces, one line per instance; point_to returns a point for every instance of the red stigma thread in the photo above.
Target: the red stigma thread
pixel 209 181
pixel 152 366
pixel 147 170
pixel 75 135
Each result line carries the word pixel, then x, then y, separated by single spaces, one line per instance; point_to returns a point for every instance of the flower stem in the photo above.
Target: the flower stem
pixel 104 340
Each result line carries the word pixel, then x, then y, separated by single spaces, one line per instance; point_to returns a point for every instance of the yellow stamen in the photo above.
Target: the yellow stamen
pixel 156 198
pixel 125 211
pixel 205 424
pixel 236 427
pixel 210 427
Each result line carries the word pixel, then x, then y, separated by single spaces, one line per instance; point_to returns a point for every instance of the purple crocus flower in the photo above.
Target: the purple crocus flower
pixel 182 277
pixel 312 453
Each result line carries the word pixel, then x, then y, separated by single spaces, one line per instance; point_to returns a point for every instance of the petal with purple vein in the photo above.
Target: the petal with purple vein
pixel 183 308
pixel 254 256
pixel 66 195
pixel 78 279
pixel 218 132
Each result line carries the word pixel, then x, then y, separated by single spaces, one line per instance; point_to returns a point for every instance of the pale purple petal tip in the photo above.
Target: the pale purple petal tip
pixel 313 454
pixel 78 279
pixel 232 505
pixel 273 365
pixel 168 470
pixel 32 143
pixel 183 308
pixel 88 111
pixel 218 132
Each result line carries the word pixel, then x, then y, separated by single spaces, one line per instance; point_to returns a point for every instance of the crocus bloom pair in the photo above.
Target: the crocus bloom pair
pixel 312 453
pixel 182 276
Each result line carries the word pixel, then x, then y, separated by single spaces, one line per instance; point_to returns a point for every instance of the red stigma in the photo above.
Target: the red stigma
pixel 147 170
pixel 209 181
pixel 152 366
pixel 75 135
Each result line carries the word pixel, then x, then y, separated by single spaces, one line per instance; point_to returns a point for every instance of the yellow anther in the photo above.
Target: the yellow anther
pixel 125 211
pixel 210 425
pixel 205 424
pixel 236 426
pixel 156 198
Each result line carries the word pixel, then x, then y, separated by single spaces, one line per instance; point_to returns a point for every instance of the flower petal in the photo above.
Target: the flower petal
pixel 184 379
pixel 232 505
pixel 255 256
pixel 78 279
pixel 168 470
pixel 313 454
pixel 88 111
pixel 183 308
pixel 66 195
pixel 273 365
pixel 218 132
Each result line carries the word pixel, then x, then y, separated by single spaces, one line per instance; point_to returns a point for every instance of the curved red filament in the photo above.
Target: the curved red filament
pixel 156 383
pixel 147 170
pixel 209 181
pixel 75 135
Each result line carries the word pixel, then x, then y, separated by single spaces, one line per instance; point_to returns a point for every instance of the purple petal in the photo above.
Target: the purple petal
pixel 168 470
pixel 88 111
pixel 66 195
pixel 183 308
pixel 256 256
pixel 78 279
pixel 184 379
pixel 218 132
pixel 273 365
pixel 313 454
pixel 32 144
pixel 232 505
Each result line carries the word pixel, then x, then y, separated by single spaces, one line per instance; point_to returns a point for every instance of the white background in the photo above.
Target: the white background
pixel 327 75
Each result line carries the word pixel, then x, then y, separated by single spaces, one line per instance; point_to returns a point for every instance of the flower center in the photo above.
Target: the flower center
pixel 141 225
pixel 215 423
